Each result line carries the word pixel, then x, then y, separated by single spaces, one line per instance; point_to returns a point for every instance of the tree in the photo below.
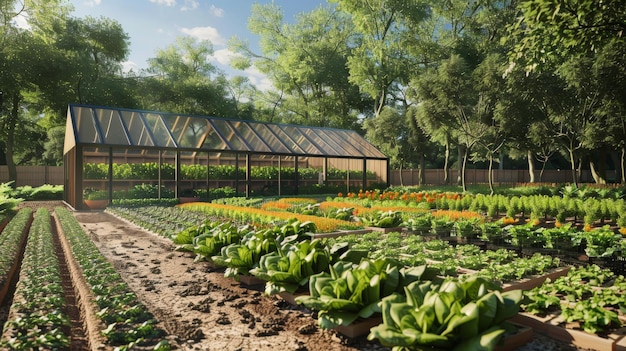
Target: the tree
pixel 381 63
pixel 185 81
pixel 447 100
pixel 306 62
pixel 551 31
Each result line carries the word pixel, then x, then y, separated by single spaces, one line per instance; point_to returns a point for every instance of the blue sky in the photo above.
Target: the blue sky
pixel 155 24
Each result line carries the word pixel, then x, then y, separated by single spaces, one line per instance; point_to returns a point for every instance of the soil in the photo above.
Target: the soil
pixel 202 310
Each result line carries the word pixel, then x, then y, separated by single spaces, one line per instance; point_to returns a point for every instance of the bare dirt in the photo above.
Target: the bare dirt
pixel 197 305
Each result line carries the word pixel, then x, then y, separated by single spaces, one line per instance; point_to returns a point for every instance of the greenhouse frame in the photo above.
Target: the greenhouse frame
pixel 265 157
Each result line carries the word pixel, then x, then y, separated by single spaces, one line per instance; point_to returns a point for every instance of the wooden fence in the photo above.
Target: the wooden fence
pixel 34 175
pixel 480 176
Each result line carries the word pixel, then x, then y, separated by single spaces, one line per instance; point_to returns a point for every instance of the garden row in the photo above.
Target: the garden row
pixel 150 170
pixel 344 284
pixel 565 240
pixel 287 260
pixel 536 208
pixel 39 316
pixel 124 321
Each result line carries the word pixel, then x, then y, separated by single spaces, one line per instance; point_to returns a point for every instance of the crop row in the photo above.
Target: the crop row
pixel 535 207
pixel 150 170
pixel 343 284
pixel 164 221
pixel 11 240
pixel 592 297
pixel 126 319
pixel 37 317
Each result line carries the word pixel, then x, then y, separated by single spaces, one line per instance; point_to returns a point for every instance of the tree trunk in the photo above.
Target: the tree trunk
pixel 623 165
pixel 531 167
pixel 463 169
pixel 490 175
pixel 460 177
pixel 10 128
pixel 401 178
pixel 446 178
pixel 422 169
pixel 573 163
pixel 598 170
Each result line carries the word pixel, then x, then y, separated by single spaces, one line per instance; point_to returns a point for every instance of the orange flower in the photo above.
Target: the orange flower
pixel 587 227
pixel 622 230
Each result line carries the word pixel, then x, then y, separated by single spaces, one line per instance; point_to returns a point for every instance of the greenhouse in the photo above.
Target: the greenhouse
pixel 109 151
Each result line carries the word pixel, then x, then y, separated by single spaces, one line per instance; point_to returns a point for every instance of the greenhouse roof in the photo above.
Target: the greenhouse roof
pixel 99 126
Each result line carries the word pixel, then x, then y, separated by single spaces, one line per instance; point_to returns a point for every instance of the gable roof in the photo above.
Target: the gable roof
pixel 110 126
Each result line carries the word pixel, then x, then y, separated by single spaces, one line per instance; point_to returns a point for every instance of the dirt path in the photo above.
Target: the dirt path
pixel 198 306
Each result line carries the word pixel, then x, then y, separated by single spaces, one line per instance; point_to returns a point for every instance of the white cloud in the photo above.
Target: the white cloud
pixel 223 56
pixel 93 3
pixel 127 66
pixel 164 2
pixel 205 33
pixel 21 21
pixel 216 11
pixel 258 79
pixel 190 5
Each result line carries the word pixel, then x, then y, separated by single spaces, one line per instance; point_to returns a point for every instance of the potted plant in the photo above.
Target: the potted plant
pixel 96 199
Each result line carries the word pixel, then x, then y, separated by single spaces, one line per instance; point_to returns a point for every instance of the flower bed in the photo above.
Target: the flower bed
pixel 262 217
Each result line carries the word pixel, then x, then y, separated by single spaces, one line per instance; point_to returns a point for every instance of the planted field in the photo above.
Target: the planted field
pixel 243 278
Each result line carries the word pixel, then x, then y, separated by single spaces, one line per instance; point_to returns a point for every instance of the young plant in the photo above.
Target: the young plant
pixel 452 315
pixel 352 291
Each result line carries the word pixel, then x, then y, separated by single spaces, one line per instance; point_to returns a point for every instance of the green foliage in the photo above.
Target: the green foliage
pixel 350 291
pixel 291 266
pixel 382 219
pixel 451 315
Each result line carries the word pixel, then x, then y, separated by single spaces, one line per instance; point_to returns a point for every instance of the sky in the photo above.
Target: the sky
pixel 155 24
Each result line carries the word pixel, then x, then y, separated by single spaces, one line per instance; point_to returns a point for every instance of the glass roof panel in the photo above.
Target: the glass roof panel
pixel 249 135
pixel 112 128
pixel 278 146
pixel 320 142
pixel 358 141
pixel 95 125
pixel 285 138
pixel 224 129
pixel 160 132
pixel 343 143
pixel 301 140
pixel 139 134
pixel 188 131
pixel 213 141
pixel 86 127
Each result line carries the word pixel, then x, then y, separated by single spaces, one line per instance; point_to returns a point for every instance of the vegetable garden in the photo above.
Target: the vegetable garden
pixel 408 270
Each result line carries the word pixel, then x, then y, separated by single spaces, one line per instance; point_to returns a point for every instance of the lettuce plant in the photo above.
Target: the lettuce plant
pixel 290 267
pixel 451 315
pixel 351 291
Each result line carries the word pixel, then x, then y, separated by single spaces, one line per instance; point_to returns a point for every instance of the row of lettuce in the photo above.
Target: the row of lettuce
pixel 38 316
pixel 345 283
pixel 393 275
pixel 150 170
pixel 332 215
